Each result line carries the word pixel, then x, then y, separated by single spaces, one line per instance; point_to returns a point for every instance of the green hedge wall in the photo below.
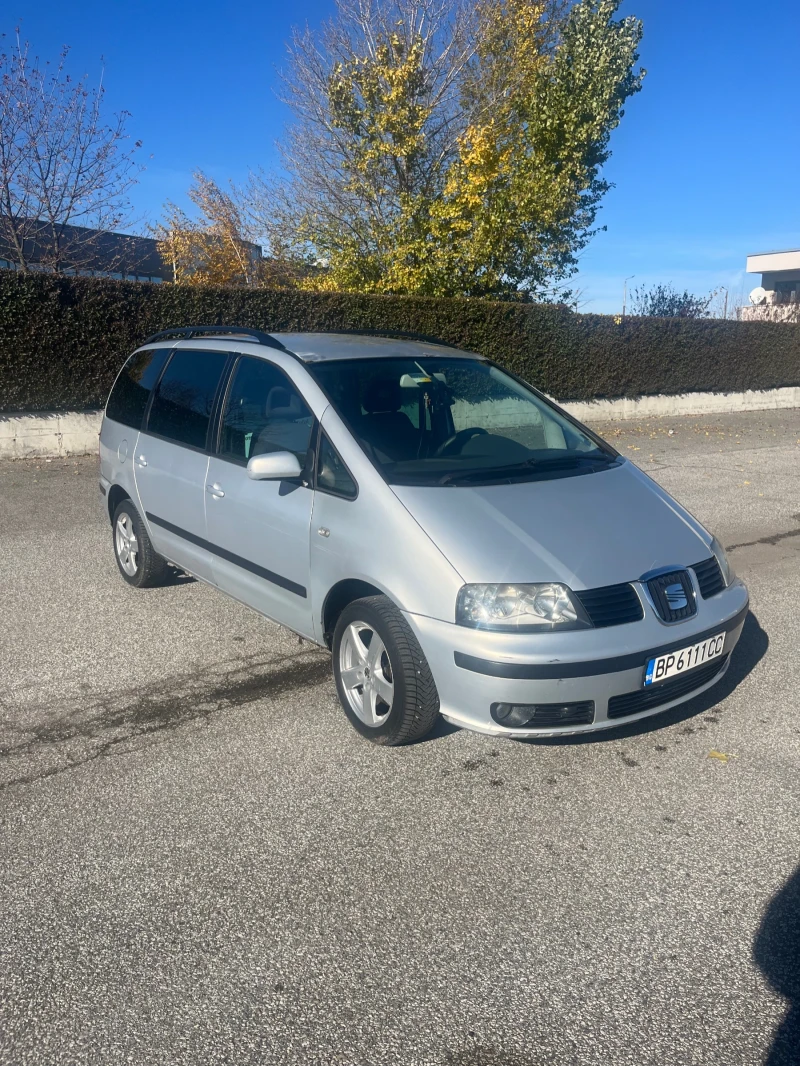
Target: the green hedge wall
pixel 62 340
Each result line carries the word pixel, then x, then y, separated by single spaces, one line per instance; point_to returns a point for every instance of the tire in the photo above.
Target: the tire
pixel 138 561
pixel 400 704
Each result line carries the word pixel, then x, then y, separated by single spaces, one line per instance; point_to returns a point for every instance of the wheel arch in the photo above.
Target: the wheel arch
pixel 116 494
pixel 338 597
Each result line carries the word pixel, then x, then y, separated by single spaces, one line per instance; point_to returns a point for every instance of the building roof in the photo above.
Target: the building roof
pixel 86 250
pixel 766 262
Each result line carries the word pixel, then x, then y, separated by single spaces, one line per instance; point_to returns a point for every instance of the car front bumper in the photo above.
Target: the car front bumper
pixel 475 668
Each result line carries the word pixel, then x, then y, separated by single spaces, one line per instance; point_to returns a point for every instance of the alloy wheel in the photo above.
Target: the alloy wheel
pixel 126 544
pixel 366 673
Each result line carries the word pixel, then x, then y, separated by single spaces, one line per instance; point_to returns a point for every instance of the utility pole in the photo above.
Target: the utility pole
pixel 725 308
pixel 625 294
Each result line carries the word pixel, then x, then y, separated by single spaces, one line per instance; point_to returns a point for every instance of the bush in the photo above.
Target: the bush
pixel 62 340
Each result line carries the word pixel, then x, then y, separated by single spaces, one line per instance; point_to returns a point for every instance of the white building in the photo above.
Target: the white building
pixel 777 297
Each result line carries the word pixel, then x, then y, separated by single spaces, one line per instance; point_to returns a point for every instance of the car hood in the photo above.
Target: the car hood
pixel 587 531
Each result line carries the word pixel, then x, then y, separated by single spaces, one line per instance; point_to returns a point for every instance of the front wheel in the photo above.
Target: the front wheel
pixel 383 679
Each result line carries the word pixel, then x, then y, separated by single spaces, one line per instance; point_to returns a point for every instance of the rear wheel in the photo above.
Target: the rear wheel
pixel 138 561
pixel 382 677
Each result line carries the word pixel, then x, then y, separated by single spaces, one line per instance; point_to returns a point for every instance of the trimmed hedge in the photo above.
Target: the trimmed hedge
pixel 62 340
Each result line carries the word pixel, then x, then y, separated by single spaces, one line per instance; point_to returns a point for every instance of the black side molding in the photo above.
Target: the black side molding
pixel 223 553
pixel 557 671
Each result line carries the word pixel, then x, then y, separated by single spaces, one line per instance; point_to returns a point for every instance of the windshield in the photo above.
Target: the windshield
pixel 440 421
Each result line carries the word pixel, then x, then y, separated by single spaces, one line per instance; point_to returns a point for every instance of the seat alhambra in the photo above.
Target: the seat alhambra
pixel 460 544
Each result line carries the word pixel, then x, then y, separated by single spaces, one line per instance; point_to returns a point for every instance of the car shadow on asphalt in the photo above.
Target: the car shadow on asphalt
pixel 776 951
pixel 750 650
pixel 440 730
pixel 176 576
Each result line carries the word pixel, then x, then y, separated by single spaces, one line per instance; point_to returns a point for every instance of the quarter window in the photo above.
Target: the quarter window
pixel 182 406
pixel 332 475
pixel 264 413
pixel 131 391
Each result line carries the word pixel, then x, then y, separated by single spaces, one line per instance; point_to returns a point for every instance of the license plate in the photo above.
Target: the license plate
pixel 678 662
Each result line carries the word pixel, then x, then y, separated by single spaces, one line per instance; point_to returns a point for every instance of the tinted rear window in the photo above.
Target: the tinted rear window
pixel 182 405
pixel 132 389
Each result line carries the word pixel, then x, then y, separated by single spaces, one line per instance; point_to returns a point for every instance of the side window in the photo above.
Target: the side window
pixel 132 389
pixel 181 408
pixel 332 475
pixel 264 413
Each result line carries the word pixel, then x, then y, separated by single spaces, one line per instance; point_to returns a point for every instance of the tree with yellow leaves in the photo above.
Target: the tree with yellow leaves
pixel 211 248
pixel 446 148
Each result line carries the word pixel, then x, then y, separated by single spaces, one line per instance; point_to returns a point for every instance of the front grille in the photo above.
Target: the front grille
pixel 709 577
pixel 646 698
pixel 673 596
pixel 543 715
pixel 613 605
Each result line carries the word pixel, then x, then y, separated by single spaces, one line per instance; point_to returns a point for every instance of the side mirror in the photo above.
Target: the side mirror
pixel 274 466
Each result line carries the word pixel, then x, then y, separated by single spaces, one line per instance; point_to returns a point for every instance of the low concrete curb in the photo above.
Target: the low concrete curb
pixel 59 433
pixel 690 403
pixel 49 433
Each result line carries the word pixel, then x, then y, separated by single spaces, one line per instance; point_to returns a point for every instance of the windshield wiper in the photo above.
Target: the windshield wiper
pixel 501 472
pixel 577 457
pixel 490 472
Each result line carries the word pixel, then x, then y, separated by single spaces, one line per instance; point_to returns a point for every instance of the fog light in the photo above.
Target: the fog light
pixel 543 715
pixel 513 715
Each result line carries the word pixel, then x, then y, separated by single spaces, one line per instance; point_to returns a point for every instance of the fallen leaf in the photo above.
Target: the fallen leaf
pixel 722 756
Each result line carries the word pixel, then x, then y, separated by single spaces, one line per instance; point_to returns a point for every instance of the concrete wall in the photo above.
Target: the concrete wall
pixel 770 311
pixel 50 434
pixel 690 403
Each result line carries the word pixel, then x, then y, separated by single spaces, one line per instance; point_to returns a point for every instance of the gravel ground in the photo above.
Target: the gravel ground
pixel 200 862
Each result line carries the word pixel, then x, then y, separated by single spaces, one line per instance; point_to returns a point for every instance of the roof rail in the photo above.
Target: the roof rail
pixel 394 333
pixel 188 332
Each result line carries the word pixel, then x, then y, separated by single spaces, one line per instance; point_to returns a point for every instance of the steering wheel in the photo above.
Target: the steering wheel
pixel 460 438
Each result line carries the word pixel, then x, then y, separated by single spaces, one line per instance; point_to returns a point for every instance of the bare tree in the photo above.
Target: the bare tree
pixel 664 301
pixel 65 172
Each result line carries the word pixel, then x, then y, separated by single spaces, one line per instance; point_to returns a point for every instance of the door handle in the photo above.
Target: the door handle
pixel 141 461
pixel 215 490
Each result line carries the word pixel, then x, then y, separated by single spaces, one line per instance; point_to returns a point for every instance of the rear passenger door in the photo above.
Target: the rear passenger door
pixel 125 413
pixel 260 529
pixel 171 457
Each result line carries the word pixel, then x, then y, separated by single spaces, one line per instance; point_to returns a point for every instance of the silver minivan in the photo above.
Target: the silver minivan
pixel 462 545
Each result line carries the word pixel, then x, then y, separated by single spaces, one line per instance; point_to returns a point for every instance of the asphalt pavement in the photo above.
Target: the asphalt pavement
pixel 201 862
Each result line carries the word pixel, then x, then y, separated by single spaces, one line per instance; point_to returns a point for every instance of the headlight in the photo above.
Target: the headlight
pixel 513 607
pixel 722 559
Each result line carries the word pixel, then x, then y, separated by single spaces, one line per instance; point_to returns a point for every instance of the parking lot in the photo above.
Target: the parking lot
pixel 201 862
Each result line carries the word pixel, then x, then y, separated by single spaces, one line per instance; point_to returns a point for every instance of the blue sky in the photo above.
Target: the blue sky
pixel 705 163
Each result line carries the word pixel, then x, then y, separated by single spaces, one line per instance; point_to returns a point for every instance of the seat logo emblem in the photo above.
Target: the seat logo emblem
pixel 676 596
